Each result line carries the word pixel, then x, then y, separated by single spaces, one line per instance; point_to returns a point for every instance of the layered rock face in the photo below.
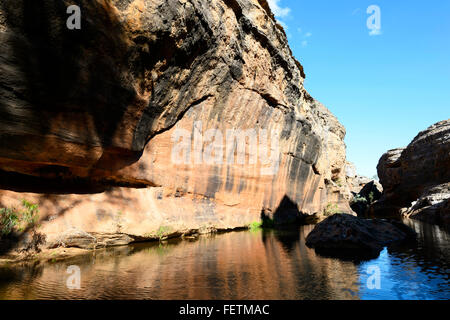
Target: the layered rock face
pixel 126 125
pixel 416 179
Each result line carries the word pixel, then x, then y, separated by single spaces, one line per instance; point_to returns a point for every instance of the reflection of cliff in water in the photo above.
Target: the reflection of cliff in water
pixel 432 250
pixel 311 276
pixel 229 266
pixel 265 264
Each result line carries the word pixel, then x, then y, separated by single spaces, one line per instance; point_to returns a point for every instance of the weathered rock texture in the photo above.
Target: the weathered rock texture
pixel 416 179
pixel 355 181
pixel 87 117
pixel 346 236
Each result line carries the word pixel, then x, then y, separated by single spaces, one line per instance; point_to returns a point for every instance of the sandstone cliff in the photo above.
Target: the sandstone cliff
pixel 416 179
pixel 88 117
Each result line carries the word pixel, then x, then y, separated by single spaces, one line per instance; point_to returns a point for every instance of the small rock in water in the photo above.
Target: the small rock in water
pixel 346 236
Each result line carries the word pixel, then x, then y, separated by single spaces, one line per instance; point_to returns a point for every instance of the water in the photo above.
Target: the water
pixel 272 264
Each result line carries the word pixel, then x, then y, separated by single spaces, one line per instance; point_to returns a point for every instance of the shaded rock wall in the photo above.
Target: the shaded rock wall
pixel 88 117
pixel 415 179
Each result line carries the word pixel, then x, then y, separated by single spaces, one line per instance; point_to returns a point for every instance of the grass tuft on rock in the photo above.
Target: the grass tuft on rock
pixel 12 219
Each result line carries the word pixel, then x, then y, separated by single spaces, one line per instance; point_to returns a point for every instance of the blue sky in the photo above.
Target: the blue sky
pixel 383 88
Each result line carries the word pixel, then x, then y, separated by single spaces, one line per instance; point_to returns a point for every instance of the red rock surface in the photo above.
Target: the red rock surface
pixel 87 117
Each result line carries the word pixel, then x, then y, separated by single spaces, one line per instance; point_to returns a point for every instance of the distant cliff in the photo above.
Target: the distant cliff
pixel 89 118
pixel 416 179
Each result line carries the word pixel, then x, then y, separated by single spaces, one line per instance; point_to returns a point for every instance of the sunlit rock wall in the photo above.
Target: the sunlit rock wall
pixel 89 118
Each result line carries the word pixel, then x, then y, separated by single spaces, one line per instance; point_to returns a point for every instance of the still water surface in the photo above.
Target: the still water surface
pixel 273 264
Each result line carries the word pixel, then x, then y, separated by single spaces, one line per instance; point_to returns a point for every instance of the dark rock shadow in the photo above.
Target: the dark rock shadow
pixel 55 70
pixel 24 183
pixel 365 198
pixel 289 237
pixel 285 220
pixel 286 214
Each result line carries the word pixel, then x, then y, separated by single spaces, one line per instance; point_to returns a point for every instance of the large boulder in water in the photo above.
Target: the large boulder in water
pixel 347 236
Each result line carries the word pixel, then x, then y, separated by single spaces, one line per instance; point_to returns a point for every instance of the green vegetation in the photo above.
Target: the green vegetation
pixel 265 223
pixel 331 208
pixel 357 198
pixel 162 232
pixel 11 219
pixel 371 197
pixel 256 225
pixel 30 214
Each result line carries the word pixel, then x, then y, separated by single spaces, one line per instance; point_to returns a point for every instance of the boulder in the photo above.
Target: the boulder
pixel 415 179
pixel 370 193
pixel 347 236
pixel 433 206
pixel 74 238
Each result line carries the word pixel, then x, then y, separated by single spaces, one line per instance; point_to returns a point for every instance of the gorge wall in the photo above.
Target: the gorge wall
pixel 89 119
pixel 416 179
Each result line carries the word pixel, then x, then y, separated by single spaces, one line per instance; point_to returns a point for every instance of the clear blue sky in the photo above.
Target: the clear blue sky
pixel 384 88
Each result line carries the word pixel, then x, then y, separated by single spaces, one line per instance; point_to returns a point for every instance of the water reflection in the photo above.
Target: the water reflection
pixel 414 272
pixel 272 264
